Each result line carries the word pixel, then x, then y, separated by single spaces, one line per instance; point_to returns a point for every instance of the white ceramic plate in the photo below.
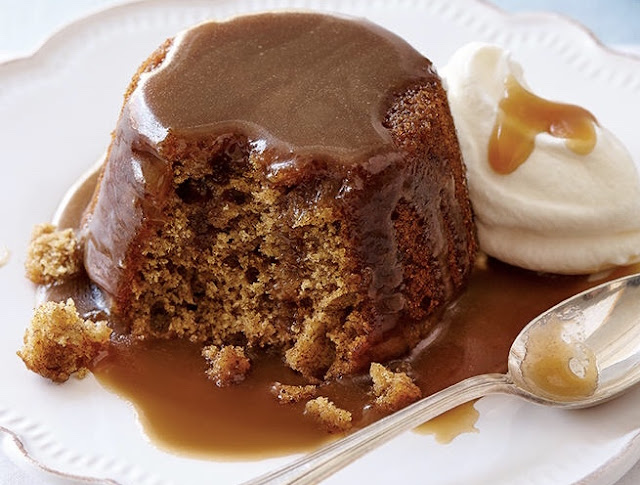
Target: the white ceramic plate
pixel 57 109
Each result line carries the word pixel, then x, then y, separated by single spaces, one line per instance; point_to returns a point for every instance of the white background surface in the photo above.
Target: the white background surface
pixel 27 23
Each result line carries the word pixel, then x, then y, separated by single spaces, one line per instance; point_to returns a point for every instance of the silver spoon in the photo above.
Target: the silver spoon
pixel 580 353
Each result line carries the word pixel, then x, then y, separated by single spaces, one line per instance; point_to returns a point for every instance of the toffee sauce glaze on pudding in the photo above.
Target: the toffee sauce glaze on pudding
pixel 346 65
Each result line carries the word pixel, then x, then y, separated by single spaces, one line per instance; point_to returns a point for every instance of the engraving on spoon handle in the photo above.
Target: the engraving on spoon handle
pixel 322 463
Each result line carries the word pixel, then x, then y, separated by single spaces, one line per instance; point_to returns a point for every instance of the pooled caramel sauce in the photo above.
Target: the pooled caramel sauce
pixel 522 116
pixel 557 365
pixel 184 412
pixel 447 426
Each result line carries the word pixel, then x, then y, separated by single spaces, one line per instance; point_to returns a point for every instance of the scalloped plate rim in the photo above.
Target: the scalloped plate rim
pixel 55 42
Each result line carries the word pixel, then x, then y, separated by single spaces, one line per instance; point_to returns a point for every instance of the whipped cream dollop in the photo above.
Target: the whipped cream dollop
pixel 559 211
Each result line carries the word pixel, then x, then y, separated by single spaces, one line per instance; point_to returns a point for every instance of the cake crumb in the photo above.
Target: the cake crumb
pixel 393 390
pixel 53 255
pixel 330 416
pixel 287 394
pixel 59 342
pixel 227 364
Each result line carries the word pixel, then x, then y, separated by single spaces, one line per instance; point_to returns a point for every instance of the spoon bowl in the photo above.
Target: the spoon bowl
pixel 589 343
pixel 580 353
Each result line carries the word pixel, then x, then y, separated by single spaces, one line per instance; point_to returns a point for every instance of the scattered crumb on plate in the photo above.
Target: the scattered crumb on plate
pixel 286 394
pixel 392 390
pixel 59 342
pixel 227 364
pixel 328 415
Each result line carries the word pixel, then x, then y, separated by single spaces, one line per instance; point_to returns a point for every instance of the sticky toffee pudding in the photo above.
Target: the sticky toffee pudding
pixel 291 182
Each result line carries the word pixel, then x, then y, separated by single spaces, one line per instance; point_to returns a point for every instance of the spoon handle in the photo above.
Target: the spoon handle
pixel 324 462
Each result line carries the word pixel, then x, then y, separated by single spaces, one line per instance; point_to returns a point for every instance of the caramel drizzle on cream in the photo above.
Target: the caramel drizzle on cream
pixel 522 115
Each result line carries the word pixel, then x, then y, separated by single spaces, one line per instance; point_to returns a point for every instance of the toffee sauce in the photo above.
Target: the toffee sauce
pixel 560 368
pixel 446 427
pixel 522 116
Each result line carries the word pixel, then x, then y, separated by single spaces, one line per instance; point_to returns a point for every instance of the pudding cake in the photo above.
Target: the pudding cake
pixel 290 182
